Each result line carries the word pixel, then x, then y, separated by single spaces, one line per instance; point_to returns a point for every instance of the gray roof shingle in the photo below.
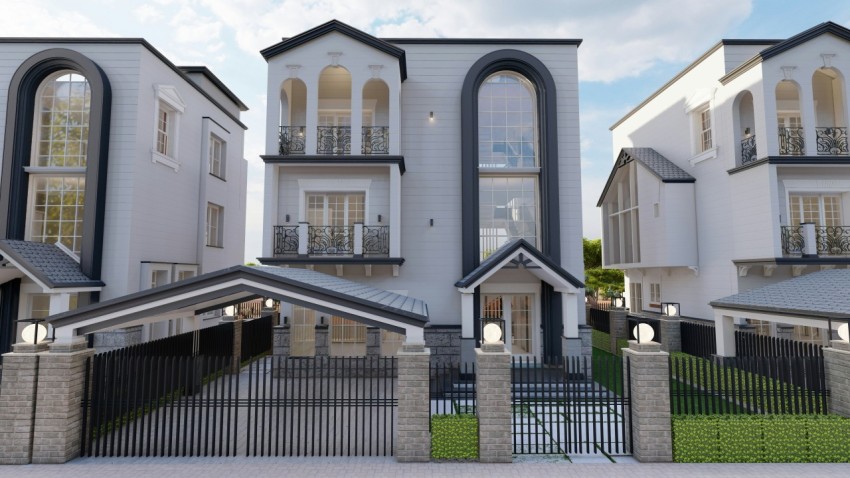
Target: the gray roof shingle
pixel 48 263
pixel 819 294
pixel 658 164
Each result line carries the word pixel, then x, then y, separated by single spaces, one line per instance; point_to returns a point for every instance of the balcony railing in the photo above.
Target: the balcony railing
pixel 291 140
pixel 356 240
pixel 748 150
pixel 376 140
pixel 808 239
pixel 832 140
pixel 333 140
pixel 791 142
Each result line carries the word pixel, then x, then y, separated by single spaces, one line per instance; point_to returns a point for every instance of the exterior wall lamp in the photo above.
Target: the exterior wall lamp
pixel 491 329
pixel 379 218
pixel 643 333
pixel 33 333
pixel 287 218
pixel 670 309
pixel 431 116
pixel 618 301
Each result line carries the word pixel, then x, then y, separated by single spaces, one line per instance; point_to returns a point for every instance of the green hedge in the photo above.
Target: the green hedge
pixel 454 437
pixel 761 439
pixel 602 341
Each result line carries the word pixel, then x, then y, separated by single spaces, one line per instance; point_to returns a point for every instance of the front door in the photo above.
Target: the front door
pixel 517 310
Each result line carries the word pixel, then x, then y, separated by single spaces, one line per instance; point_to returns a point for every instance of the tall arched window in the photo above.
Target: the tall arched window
pixel 508 165
pixel 58 160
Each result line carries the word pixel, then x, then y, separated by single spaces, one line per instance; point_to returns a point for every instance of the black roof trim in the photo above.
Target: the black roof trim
pixel 484 41
pixel 625 158
pixel 129 41
pixel 338 26
pixel 224 275
pixel 358 159
pixel 217 82
pixel 785 45
pixel 794 161
pixel 330 260
pixel 506 250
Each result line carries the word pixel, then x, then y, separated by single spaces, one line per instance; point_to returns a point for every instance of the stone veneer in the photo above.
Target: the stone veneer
pixel 413 431
pixel 493 394
pixel 836 362
pixel 17 403
pixel 649 393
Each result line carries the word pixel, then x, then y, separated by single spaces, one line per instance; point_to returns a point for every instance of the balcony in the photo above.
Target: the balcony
pixel 306 240
pixel 832 141
pixel 791 142
pixel 334 140
pixel 748 150
pixel 811 240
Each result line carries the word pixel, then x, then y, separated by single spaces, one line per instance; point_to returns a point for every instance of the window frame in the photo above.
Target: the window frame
pixel 214 236
pixel 217 165
pixel 167 100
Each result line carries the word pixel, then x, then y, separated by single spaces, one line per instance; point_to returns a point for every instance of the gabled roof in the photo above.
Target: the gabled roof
pixel 661 167
pixel 514 254
pixel 785 45
pixel 46 264
pixel 820 294
pixel 311 289
pixel 347 30
pixel 215 81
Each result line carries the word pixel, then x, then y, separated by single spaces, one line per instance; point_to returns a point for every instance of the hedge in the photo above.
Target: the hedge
pixel 602 340
pixel 454 437
pixel 761 439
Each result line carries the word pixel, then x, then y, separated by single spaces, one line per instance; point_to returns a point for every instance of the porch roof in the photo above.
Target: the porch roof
pixel 653 161
pixel 520 253
pixel 311 289
pixel 819 295
pixel 47 265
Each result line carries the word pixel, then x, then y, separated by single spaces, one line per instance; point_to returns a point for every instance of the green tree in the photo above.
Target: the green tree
pixel 596 279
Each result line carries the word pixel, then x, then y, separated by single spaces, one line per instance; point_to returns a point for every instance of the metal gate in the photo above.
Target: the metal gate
pixel 571 406
pixel 193 406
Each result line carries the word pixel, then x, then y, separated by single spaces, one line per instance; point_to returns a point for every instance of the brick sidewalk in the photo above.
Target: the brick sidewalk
pixel 387 467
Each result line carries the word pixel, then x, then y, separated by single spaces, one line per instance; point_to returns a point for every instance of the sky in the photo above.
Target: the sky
pixel 630 48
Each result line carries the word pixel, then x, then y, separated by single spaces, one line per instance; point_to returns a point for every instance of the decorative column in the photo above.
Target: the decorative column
pixel 570 340
pixel 58 407
pixel 649 393
pixel 671 334
pixel 413 433
pixel 17 403
pixel 724 332
pixel 467 327
pixel 493 394
pixel 836 364
pixel 618 324
pixel 395 210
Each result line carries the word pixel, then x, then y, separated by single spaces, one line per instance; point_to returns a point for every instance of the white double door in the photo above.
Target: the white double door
pixel 520 312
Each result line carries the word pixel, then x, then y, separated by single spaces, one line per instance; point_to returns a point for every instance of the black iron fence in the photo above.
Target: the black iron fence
pixel 275 407
pixel 452 389
pixel 600 319
pixel 216 341
pixel 375 140
pixel 748 385
pixel 698 339
pixel 570 406
pixel 831 140
pixel 748 344
pixel 791 142
pixel 748 150
pixel 256 337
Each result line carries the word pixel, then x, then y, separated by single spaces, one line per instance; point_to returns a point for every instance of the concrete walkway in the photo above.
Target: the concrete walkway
pixel 387 467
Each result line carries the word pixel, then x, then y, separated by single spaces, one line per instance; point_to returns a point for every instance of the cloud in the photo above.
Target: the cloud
pixel 147 13
pixel 26 18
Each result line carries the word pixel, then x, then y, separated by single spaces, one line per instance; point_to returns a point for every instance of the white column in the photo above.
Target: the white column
pixel 395 211
pixel 414 335
pixel 724 329
pixel 809 117
pixel 357 81
pixel 358 238
pixel 810 244
pixel 395 116
pixel 303 238
pixel 310 132
pixel 270 204
pixel 60 302
pixel 569 313
pixel 467 311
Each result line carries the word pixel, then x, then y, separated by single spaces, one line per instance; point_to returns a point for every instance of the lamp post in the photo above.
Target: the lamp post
pixel 670 309
pixel 492 329
pixel 34 332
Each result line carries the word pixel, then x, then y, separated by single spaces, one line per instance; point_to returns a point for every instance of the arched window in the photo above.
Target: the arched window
pixel 334 130
pixel 830 122
pixel 789 120
pixel 58 160
pixel 508 166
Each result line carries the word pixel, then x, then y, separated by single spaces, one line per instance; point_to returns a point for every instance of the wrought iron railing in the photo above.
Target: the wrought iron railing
pixel 285 240
pixel 833 240
pixel 832 140
pixel 830 240
pixel 333 140
pixel 376 240
pixel 791 141
pixel 330 240
pixel 376 140
pixel 748 150
pixel 291 140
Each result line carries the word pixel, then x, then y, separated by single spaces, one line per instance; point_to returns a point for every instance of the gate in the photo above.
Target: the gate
pixel 571 406
pixel 276 406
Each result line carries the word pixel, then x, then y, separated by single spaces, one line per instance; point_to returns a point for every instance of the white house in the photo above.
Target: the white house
pixel 444 168
pixel 120 172
pixel 733 176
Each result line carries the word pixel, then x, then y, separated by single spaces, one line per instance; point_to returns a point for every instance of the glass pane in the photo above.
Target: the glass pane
pixel 507 127
pixel 521 321
pixel 56 210
pixel 507 210
pixel 303 339
pixel 62 123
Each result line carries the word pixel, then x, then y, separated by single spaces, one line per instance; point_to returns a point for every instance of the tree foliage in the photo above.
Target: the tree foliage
pixel 596 279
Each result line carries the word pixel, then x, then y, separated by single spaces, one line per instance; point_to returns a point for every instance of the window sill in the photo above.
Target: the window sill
pixel 217 176
pixel 707 154
pixel 157 157
pixel 215 247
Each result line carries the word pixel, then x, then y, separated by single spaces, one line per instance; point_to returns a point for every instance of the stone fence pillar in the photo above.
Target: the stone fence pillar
pixel 619 326
pixel 836 363
pixel 322 341
pixel 649 393
pixel 671 334
pixel 236 361
pixel 413 437
pixel 58 408
pixel 493 394
pixel 373 342
pixel 17 403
